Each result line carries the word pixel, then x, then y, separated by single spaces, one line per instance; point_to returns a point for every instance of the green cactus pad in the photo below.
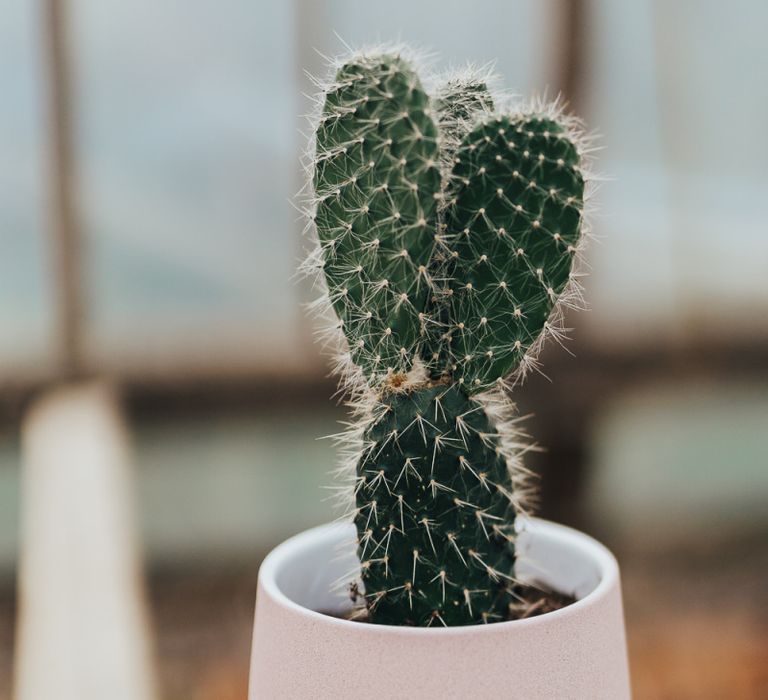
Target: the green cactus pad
pixel 434 512
pixel 377 183
pixel 513 218
pixel 458 101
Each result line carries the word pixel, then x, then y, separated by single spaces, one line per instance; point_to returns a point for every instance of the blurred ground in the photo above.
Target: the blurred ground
pixel 697 625
pixel 698 622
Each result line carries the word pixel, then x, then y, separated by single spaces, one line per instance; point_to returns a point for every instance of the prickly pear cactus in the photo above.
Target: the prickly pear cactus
pixel 447 234
pixel 516 198
pixel 377 183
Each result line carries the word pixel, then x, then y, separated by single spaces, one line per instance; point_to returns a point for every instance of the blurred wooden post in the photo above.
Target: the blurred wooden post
pixel 571 52
pixel 310 22
pixel 563 463
pixel 66 244
pixel 82 624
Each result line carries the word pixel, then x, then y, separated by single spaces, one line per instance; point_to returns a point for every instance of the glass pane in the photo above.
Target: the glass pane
pixel 187 142
pixel 509 34
pixel 25 313
pixel 675 94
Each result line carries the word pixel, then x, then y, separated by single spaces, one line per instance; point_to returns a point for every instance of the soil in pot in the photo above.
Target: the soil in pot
pixel 535 599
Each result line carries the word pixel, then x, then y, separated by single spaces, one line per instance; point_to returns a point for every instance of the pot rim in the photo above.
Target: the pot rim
pixel 606 563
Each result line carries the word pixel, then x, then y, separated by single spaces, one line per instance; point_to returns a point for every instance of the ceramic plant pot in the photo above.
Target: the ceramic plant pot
pixel 576 652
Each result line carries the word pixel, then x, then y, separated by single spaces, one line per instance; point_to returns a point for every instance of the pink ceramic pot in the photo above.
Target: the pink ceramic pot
pixel 578 652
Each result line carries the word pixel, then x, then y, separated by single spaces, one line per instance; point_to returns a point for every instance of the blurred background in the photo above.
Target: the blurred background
pixel 147 301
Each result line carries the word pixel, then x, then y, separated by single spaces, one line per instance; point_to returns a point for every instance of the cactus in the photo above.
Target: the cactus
pixel 447 235
pixel 377 182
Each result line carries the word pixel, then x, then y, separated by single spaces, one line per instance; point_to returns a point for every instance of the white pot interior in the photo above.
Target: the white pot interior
pixel 313 569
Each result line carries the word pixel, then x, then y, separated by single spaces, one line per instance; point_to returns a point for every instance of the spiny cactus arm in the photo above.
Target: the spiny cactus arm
pixel 459 100
pixel 435 511
pixel 377 185
pixel 514 220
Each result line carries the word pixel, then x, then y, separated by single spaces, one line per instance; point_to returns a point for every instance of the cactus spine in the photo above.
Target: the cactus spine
pixel 447 234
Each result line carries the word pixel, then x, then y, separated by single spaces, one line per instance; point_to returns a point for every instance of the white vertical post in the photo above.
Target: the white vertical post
pixel 82 631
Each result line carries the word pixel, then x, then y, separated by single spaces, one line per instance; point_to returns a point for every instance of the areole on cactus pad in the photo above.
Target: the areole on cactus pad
pixel 447 235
